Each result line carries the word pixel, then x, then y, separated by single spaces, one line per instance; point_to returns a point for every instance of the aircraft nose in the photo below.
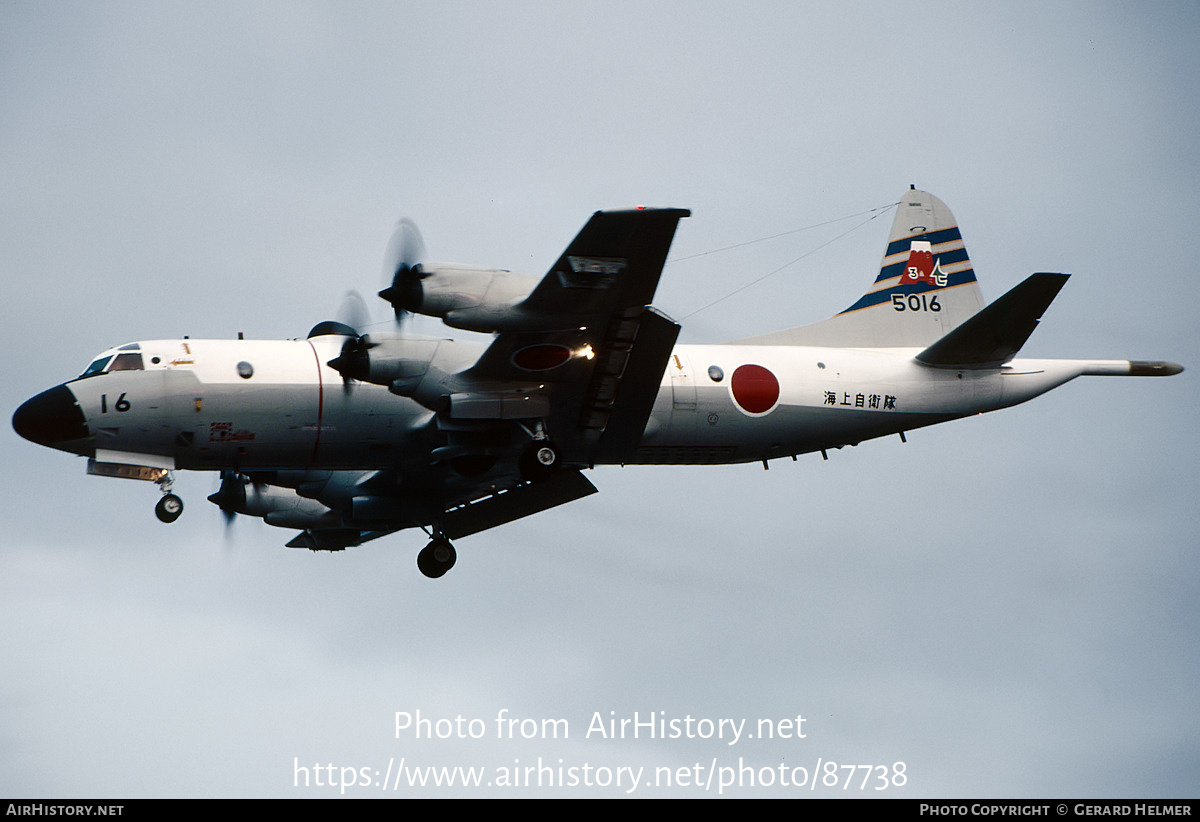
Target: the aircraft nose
pixel 50 418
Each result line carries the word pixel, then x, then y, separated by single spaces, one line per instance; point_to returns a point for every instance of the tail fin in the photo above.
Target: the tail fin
pixel 926 287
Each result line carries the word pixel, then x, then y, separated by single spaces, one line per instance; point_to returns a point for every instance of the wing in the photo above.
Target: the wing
pixel 584 353
pixel 579 361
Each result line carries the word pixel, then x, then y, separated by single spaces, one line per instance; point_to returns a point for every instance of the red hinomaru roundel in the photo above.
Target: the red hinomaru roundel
pixel 541 357
pixel 755 389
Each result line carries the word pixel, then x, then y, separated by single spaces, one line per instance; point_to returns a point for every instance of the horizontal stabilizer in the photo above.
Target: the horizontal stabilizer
pixel 996 333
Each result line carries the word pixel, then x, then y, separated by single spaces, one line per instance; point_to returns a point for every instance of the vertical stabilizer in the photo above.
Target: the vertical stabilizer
pixel 926 287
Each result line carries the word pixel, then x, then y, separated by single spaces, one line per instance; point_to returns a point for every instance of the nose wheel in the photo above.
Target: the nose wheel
pixel 168 508
pixel 436 558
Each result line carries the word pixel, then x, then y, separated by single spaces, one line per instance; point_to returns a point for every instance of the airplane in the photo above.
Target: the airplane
pixel 349 437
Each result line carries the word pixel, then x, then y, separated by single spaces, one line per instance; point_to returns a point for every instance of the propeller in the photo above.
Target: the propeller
pixel 352 363
pixel 402 268
pixel 231 495
pixel 353 312
pixel 402 265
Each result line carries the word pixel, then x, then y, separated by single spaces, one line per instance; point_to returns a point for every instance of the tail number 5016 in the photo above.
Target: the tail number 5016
pixel 916 302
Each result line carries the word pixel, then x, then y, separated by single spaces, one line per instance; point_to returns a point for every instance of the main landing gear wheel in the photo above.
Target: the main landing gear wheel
pixel 168 508
pixel 436 558
pixel 539 461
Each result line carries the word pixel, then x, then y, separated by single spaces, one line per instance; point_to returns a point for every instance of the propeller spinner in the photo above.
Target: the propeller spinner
pixel 230 497
pixel 352 362
pixel 402 263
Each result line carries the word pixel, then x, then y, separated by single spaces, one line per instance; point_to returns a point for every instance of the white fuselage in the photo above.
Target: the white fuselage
pixel 271 405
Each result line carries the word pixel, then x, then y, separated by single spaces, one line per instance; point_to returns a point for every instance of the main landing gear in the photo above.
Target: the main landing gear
pixel 539 461
pixel 170 506
pixel 541 458
pixel 437 557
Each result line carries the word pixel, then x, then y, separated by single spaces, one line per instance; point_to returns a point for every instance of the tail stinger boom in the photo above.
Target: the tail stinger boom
pixel 992 337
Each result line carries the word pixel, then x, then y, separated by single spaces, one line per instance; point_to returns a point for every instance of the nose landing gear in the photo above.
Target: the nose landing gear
pixel 170 506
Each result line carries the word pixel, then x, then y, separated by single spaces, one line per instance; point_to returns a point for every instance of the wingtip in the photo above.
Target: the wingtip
pixel 679 213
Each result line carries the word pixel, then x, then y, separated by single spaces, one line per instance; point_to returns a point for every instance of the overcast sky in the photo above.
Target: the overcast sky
pixel 1006 604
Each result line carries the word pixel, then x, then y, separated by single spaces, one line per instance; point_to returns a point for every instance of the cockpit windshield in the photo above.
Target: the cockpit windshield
pixel 125 361
pixel 97 366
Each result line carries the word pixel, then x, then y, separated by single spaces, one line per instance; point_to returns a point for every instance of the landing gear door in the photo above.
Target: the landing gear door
pixel 187 412
pixel 683 383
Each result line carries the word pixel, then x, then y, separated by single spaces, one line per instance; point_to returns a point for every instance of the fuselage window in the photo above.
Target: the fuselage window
pixel 127 362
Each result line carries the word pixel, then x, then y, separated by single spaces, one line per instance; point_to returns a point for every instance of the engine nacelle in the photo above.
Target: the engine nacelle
pixel 462 296
pixel 419 368
pixel 277 506
pixel 383 359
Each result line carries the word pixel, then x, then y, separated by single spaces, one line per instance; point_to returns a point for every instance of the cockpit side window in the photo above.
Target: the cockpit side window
pixel 127 362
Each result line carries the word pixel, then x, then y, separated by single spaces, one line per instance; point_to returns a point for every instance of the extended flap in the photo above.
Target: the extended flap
pixel 522 501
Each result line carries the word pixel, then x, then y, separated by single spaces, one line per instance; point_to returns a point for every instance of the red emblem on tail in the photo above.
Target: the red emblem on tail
pixel 922 267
